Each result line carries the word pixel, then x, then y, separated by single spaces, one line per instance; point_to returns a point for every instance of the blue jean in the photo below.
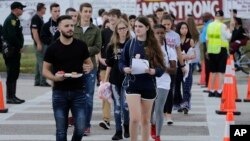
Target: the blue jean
pixel 121 113
pixel 89 80
pixel 62 102
pixel 183 101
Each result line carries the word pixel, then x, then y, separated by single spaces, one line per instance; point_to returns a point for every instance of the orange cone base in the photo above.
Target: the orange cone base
pixel 246 100
pixel 238 100
pixel 237 113
pixel 3 110
pixel 206 91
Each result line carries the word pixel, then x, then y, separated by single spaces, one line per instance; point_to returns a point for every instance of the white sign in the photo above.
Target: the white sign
pixel 242 7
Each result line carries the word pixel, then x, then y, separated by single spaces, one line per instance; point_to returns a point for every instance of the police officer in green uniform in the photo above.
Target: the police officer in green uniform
pixel 13 37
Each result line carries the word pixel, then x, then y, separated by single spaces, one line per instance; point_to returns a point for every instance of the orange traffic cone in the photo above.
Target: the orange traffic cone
pixel 216 83
pixel 229 121
pixel 228 98
pixel 203 74
pixel 209 84
pixel 234 80
pixel 2 102
pixel 247 99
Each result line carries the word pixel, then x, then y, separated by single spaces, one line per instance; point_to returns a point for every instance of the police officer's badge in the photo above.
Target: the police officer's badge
pixel 13 22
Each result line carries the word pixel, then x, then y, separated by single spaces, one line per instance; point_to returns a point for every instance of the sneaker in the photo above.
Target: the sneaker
pixel 126 131
pixel 117 136
pixel 211 94
pixel 86 132
pixel 153 131
pixel 180 110
pixel 157 138
pixel 218 94
pixel 170 121
pixel 185 110
pixel 105 125
pixel 45 85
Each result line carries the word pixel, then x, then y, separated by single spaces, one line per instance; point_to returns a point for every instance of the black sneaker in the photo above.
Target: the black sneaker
pixel 211 94
pixel 126 131
pixel 45 85
pixel 218 94
pixel 180 110
pixel 117 136
pixel 105 125
pixel 185 110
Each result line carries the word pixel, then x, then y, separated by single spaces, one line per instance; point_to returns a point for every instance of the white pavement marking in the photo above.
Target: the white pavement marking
pixel 52 122
pixel 216 129
pixel 97 138
pixel 44 103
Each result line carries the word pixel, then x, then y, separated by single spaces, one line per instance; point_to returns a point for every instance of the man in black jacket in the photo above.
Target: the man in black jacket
pixel 49 28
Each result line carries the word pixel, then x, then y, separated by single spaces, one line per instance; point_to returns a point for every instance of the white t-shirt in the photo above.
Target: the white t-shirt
pixel 165 80
pixel 173 39
pixel 84 28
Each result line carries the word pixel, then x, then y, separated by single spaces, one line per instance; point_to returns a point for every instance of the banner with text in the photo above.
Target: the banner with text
pixel 180 8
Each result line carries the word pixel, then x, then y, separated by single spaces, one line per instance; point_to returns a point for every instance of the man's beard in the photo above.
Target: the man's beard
pixel 66 36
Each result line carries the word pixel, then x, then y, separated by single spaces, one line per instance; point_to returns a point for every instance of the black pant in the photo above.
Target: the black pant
pixel 169 102
pixel 13 67
pixel 207 70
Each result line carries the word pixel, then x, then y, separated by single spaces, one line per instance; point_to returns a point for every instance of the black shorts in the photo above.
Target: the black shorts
pixel 145 94
pixel 218 62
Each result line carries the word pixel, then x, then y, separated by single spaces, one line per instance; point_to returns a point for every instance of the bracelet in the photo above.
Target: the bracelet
pixel 181 66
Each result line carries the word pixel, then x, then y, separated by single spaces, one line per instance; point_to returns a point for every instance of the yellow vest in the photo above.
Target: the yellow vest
pixel 215 42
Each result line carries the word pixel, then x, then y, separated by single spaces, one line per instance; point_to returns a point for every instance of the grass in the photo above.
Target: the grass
pixel 27 61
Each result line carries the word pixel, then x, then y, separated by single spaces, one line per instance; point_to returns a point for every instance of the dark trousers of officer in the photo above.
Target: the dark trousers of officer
pixel 13 69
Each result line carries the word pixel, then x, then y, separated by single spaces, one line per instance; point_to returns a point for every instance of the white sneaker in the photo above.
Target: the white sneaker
pixel 170 121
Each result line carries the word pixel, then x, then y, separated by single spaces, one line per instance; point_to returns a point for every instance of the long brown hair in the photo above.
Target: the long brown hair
pixel 153 49
pixel 193 29
pixel 115 38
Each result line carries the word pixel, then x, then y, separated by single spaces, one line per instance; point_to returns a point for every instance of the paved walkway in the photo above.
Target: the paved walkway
pixel 34 121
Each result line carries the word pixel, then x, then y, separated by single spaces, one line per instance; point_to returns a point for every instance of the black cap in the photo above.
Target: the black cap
pixel 219 13
pixel 16 4
pixel 234 11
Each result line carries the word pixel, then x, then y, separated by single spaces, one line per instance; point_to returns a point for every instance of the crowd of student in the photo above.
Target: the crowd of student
pixel 105 48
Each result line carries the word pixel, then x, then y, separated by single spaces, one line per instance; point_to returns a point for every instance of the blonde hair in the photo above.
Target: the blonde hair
pixel 115 39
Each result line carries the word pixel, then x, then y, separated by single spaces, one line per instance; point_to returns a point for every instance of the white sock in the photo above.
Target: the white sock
pixel 219 91
pixel 212 90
